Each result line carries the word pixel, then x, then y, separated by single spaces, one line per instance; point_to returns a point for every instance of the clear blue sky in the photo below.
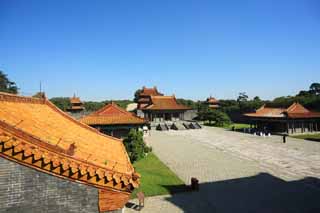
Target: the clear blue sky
pixel 193 48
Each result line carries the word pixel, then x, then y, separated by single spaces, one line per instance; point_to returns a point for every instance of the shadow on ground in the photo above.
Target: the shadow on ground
pixel 262 193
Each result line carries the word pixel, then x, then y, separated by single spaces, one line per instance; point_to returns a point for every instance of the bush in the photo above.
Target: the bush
pixel 216 118
pixel 135 145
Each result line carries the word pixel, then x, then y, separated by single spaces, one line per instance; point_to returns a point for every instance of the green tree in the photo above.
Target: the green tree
pixel 6 85
pixel 315 88
pixel 136 95
pixel 62 103
pixel 135 146
pixel 218 118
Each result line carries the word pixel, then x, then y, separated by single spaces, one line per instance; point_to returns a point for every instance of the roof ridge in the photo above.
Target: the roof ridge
pixel 20 99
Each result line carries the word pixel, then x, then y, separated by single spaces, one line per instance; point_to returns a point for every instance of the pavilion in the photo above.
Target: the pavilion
pixel 212 103
pixel 50 162
pixel 113 120
pixel 76 105
pixel 295 119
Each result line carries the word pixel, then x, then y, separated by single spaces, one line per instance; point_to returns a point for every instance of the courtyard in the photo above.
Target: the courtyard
pixel 237 172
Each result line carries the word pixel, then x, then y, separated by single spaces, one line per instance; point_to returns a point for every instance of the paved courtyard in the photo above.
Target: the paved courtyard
pixel 238 172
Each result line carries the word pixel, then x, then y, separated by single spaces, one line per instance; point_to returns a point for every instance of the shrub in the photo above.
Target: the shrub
pixel 135 145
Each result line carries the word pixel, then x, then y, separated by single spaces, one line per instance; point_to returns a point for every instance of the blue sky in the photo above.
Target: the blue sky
pixel 193 48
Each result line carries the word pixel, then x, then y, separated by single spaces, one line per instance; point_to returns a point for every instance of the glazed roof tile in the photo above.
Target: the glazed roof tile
pixel 165 103
pixel 49 140
pixel 111 114
pixel 296 110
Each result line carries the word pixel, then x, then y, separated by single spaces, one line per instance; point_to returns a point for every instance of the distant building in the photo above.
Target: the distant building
pixel 212 103
pixel 76 105
pixel 113 120
pixel 49 162
pixel 155 107
pixel 295 119
pixel 145 96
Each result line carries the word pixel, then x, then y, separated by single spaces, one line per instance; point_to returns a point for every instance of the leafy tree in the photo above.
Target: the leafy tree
pixel 242 97
pixel 136 95
pixel 93 105
pixel 257 98
pixel 315 88
pixel 135 145
pixel 6 85
pixel 218 117
pixel 39 95
pixel 62 103
pixel 187 102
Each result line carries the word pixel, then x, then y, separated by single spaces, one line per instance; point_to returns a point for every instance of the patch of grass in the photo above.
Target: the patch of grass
pixel 238 126
pixel 157 178
pixel 310 137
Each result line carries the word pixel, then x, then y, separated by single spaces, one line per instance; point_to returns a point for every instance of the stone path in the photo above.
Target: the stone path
pixel 238 172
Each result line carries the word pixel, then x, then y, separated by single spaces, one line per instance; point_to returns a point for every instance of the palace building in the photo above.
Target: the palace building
pixel 295 119
pixel 50 162
pixel 113 120
pixel 155 107
pixel 76 105
pixel 145 96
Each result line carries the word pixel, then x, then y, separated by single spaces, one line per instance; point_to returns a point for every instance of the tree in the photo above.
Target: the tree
pixel 242 97
pixel 62 103
pixel 135 146
pixel 39 95
pixel 136 95
pixel 315 88
pixel 257 98
pixel 6 85
pixel 218 117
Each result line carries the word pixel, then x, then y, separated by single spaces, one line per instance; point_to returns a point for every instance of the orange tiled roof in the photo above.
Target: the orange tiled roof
pixel 165 103
pixel 35 133
pixel 111 114
pixel 296 110
pixel 212 100
pixel 149 91
pixel 75 100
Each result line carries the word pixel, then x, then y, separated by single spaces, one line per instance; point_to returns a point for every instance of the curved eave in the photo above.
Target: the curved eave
pixel 58 164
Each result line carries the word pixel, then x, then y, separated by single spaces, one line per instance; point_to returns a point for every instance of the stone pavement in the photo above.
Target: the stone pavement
pixel 238 172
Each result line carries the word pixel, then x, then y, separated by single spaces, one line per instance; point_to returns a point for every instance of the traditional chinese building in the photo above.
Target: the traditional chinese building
pixel 76 105
pixel 113 120
pixel 212 103
pixel 145 96
pixel 295 119
pixel 50 162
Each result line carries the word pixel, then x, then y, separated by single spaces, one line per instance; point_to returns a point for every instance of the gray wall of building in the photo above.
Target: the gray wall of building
pixel 25 190
pixel 190 115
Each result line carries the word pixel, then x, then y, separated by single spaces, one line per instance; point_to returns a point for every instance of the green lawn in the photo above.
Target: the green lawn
pixel 157 178
pixel 310 137
pixel 238 126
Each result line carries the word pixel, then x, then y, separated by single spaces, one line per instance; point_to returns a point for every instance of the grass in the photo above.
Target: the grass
pixel 310 137
pixel 238 126
pixel 157 178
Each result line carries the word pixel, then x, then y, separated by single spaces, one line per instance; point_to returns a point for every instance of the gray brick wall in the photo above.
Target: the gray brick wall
pixel 24 190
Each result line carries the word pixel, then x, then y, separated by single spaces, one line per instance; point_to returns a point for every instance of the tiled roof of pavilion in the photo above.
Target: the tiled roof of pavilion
pixel 165 103
pixel 296 110
pixel 75 100
pixel 35 133
pixel 212 100
pixel 111 114
pixel 149 91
